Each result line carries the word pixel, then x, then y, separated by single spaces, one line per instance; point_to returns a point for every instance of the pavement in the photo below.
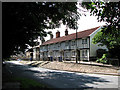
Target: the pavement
pixel 64 79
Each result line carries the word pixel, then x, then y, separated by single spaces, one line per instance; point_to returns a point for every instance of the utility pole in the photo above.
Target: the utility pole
pixel 76 48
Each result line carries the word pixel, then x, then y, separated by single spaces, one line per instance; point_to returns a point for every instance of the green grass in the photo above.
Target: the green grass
pixel 29 83
pixel 26 84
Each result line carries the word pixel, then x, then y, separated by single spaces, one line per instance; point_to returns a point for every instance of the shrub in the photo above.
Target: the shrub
pixel 103 59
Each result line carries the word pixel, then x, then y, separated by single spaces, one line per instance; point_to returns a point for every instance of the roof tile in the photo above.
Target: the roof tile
pixel 81 34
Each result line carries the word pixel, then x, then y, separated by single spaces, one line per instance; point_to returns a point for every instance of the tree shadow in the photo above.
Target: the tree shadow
pixel 68 80
pixel 62 79
pixel 34 64
pixel 31 64
pixel 79 81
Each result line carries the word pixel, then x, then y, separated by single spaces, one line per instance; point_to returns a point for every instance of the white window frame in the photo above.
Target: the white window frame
pixel 84 53
pixel 73 53
pixel 66 43
pixel 59 44
pixel 66 54
pixel 48 47
pixel 73 42
pixel 84 41
pixel 54 45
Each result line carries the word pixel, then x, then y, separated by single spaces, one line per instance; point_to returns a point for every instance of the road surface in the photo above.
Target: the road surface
pixel 62 79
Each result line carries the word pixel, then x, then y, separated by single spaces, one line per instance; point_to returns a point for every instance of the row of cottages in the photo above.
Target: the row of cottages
pixel 64 48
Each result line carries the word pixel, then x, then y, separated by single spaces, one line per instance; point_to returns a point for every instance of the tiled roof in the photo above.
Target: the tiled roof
pixel 81 34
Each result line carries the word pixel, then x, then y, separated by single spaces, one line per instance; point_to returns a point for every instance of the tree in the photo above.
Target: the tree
pixel 23 22
pixel 109 40
pixel 109 35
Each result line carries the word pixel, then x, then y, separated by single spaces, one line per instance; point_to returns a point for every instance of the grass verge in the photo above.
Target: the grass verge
pixel 29 83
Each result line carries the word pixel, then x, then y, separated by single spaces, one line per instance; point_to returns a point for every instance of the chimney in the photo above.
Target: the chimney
pixel 66 32
pixel 57 34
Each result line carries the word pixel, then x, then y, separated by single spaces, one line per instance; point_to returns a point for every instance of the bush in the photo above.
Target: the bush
pixel 103 59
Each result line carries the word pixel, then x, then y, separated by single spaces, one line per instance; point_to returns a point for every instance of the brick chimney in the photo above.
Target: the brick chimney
pixel 66 32
pixel 57 34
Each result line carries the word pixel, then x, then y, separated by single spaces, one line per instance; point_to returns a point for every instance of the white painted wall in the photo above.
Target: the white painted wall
pixel 80 46
pixel 63 46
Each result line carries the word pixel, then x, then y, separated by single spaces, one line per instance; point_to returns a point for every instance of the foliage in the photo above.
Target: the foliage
pixel 110 13
pixel 109 40
pixel 106 11
pixel 103 59
pixel 24 21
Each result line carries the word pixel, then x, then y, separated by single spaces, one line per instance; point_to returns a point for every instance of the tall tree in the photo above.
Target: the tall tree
pixel 109 35
pixel 23 21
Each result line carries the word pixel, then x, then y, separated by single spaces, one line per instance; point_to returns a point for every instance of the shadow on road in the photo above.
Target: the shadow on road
pixel 65 79
pixel 60 79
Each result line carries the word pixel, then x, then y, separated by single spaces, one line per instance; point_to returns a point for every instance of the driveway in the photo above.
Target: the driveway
pixel 62 79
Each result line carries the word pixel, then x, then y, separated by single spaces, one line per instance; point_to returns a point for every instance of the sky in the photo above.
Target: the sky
pixel 84 23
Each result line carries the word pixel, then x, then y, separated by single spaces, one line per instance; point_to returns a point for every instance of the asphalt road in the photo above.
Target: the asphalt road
pixel 63 79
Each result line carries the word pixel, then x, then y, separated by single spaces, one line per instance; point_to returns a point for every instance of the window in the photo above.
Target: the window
pixel 73 53
pixel 84 53
pixel 46 47
pixel 73 43
pixel 59 44
pixel 49 47
pixel 84 41
pixel 43 47
pixel 54 45
pixel 66 43
pixel 67 54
